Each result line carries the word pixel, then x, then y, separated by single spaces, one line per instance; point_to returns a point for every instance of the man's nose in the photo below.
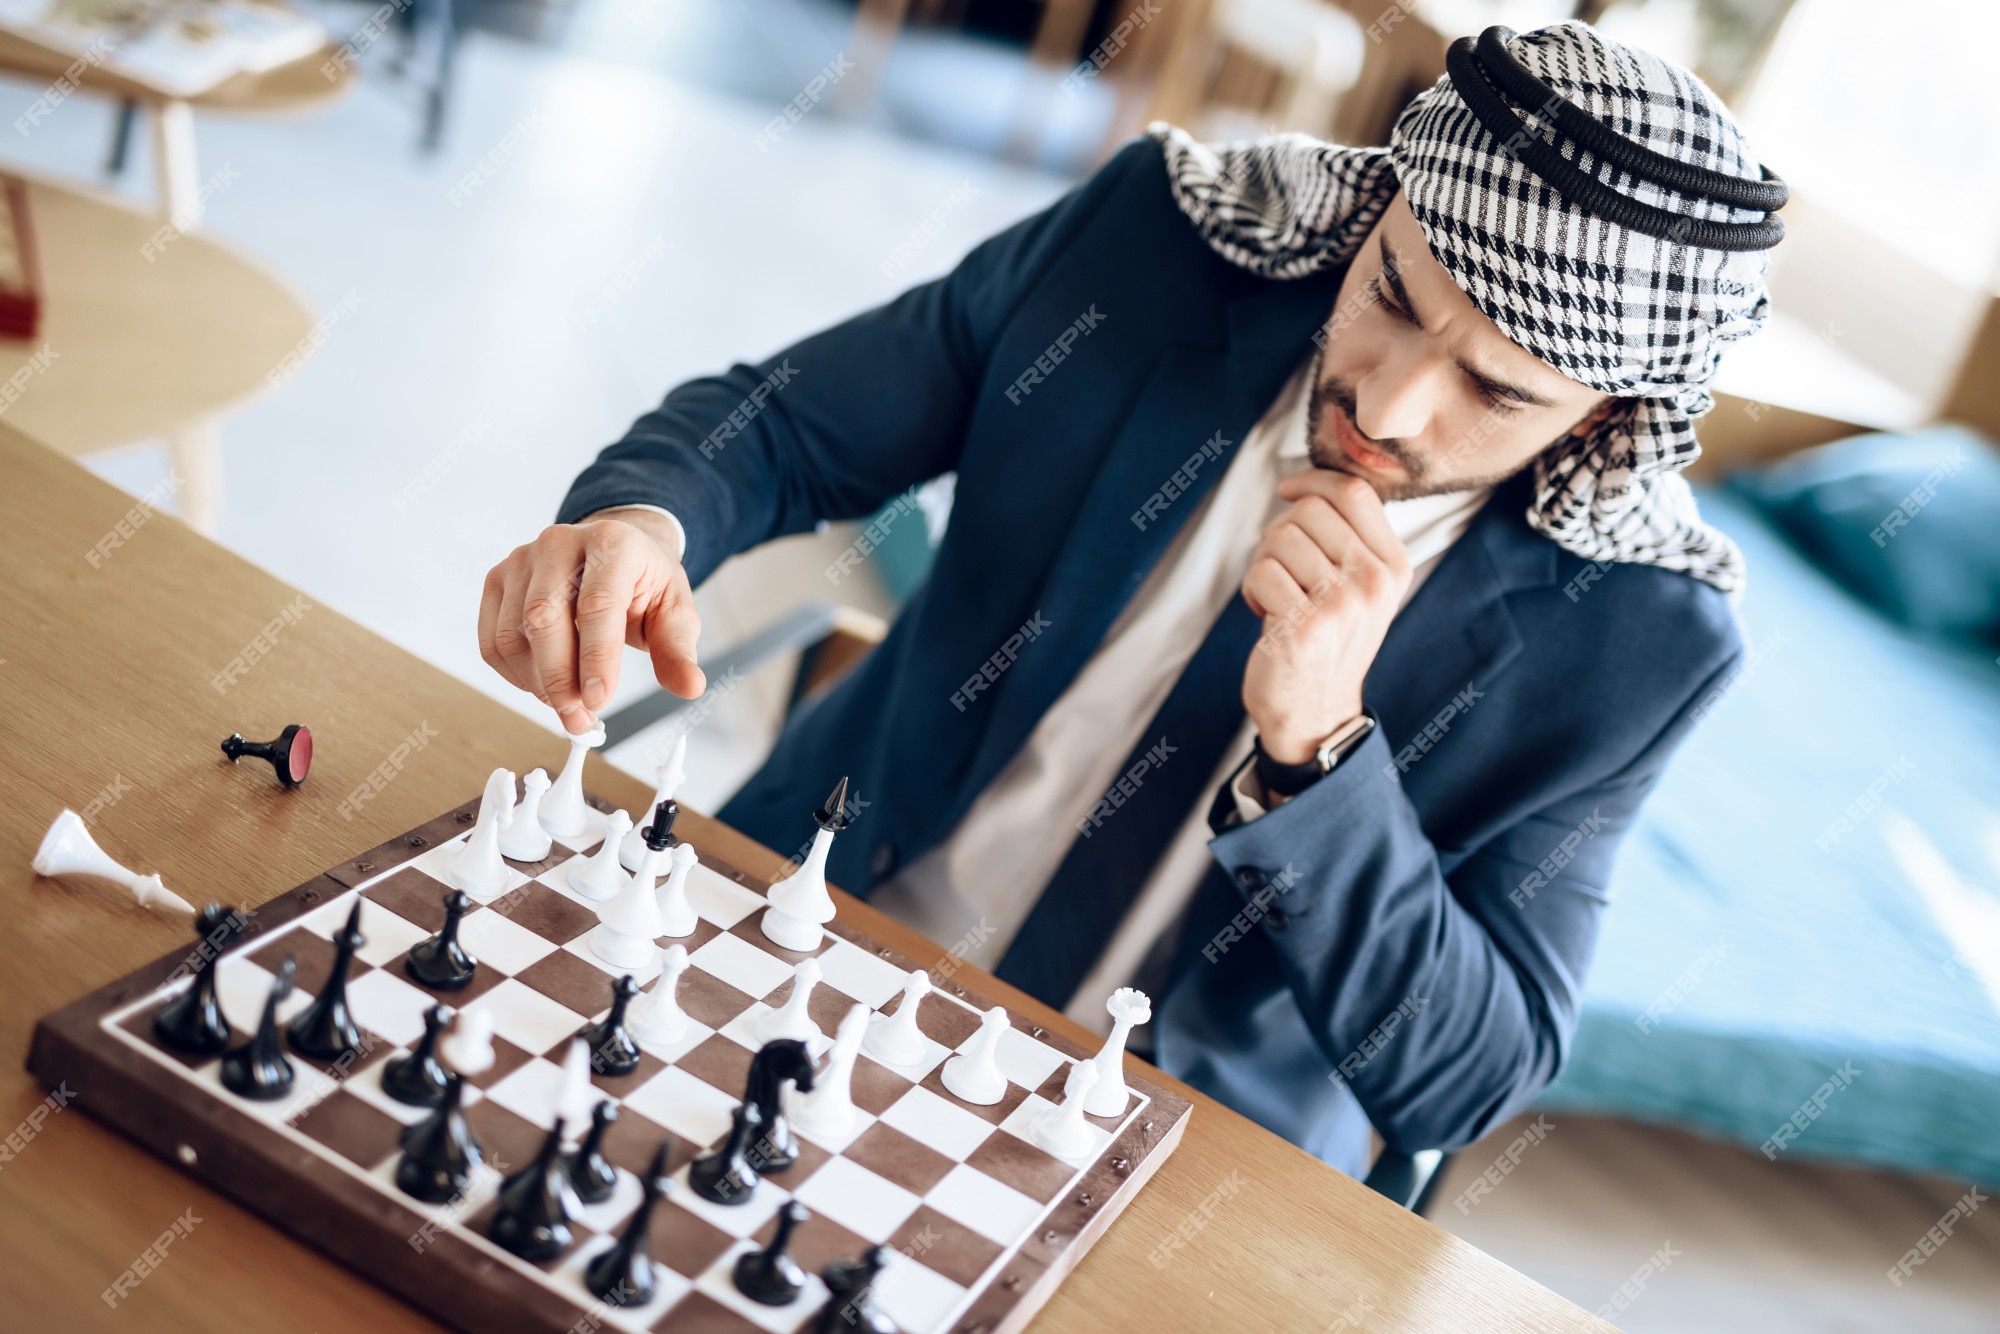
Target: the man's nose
pixel 1397 399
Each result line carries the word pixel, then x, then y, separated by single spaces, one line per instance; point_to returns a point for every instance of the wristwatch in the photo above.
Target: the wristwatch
pixel 1288 780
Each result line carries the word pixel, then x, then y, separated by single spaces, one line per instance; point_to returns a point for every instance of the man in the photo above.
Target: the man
pixel 1320 597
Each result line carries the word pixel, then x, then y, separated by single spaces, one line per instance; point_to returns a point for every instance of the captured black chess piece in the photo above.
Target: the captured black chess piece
pixel 324 1030
pixel 258 1069
pixel 784 1059
pixel 291 754
pixel 592 1176
pixel 613 1049
pixel 537 1204
pixel 726 1176
pixel 192 1022
pixel 418 1079
pixel 441 962
pixel 851 1305
pixel 439 1152
pixel 623 1275
pixel 771 1276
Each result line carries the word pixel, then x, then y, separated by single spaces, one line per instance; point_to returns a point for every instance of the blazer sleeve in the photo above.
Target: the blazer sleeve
pixel 1443 1002
pixel 834 425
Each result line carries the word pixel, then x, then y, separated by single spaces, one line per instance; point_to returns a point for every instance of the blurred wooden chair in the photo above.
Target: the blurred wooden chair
pixel 1238 67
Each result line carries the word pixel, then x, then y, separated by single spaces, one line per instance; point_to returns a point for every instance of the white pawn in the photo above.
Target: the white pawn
pixel 468 1048
pixel 677 915
pixel 598 876
pixel 800 904
pixel 895 1037
pixel 576 1096
pixel 828 1111
pixel 661 1021
pixel 525 839
pixel 1128 1006
pixel 477 868
pixel 68 849
pixel 564 811
pixel 627 926
pixel 974 1075
pixel 791 1019
pixel 632 848
pixel 1062 1130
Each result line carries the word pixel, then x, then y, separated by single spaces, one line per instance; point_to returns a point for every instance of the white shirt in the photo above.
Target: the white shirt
pixel 977 886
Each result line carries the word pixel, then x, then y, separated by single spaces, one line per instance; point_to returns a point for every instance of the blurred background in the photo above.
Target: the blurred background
pixel 358 287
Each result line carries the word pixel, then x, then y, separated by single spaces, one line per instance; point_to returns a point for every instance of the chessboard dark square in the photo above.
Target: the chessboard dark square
pixel 811 1158
pixel 311 954
pixel 546 913
pixel 412 896
pixel 751 929
pixel 357 1131
pixel 707 999
pixel 570 981
pixel 815 1242
pixel 485 977
pixel 720 1063
pixel 1012 1161
pixel 944 1020
pixel 704 931
pixel 618 1086
pixel 507 1058
pixel 908 1162
pixel 945 1245
pixel 510 1142
pixel 558 854
pixel 876 1087
pixel 994 1112
pixel 825 1007
pixel 688 1244
pixel 631 1140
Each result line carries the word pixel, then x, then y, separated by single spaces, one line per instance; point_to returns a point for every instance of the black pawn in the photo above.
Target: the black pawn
pixel 770 1276
pixel 441 963
pixel 726 1176
pixel 192 1022
pixel 439 1152
pixel 291 754
pixel 537 1204
pixel 324 1030
pixel 613 1050
pixel 852 1303
pixel 592 1176
pixel 258 1069
pixel 418 1079
pixel 623 1275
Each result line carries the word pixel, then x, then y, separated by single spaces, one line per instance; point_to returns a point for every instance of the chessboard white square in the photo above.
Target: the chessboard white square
pixel 594 824
pixel 742 965
pixel 366 1084
pixel 580 947
pixel 719 899
pixel 241 987
pixel 1022 1119
pixel 738 1220
pixel 915 1297
pixel 436 863
pixel 694 1110
pixel 495 939
pixel 668 1288
pixel 934 1055
pixel 867 977
pixel 383 1003
pixel 615 1208
pixel 857 1199
pixel 384 934
pixel 718 1281
pixel 531 1091
pixel 1025 1061
pixel 557 878
pixel 527 1018
pixel 995 1211
pixel 929 1119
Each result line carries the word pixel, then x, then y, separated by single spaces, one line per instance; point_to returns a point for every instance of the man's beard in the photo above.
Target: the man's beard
pixel 1421 479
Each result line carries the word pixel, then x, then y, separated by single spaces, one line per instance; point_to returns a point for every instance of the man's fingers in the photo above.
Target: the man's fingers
pixel 672 628
pixel 1270 589
pixel 517 659
pixel 604 605
pixel 548 620
pixel 1311 567
pixel 1357 503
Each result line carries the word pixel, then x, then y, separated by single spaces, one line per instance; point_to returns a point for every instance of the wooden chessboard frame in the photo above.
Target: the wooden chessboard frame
pixel 451 1279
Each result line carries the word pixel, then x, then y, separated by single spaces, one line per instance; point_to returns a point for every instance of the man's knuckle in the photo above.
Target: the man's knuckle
pixel 596 602
pixel 545 613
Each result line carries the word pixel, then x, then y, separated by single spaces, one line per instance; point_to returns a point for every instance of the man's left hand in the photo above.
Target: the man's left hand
pixel 1327 577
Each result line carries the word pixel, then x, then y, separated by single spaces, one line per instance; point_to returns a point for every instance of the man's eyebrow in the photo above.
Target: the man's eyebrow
pixel 1392 265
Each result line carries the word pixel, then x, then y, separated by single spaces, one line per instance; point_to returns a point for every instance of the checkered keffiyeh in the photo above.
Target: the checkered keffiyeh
pixel 1631 315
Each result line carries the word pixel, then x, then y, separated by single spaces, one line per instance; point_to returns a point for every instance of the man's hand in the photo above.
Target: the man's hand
pixel 1327 578
pixel 556 614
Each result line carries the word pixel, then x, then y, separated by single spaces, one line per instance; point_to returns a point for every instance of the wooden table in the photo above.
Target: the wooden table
pixel 106 690
pixel 154 333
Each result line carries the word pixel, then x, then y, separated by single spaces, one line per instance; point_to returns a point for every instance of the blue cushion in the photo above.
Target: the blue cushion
pixel 1908 523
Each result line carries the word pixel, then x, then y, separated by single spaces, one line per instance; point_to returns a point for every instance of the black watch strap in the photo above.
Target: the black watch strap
pixel 1286 780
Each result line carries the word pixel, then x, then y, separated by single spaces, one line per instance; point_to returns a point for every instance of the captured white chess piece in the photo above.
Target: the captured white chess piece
pixel 828 1111
pixel 627 926
pixel 660 1020
pixel 598 876
pixel 974 1075
pixel 800 904
pixel 792 1020
pixel 525 840
pixel 632 848
pixel 68 849
pixel 895 1038
pixel 677 915
pixel 565 813
pixel 1128 1006
pixel 468 1047
pixel 1061 1129
pixel 476 868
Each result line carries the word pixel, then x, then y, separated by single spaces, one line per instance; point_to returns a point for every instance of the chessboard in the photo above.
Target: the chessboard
pixel 984 1222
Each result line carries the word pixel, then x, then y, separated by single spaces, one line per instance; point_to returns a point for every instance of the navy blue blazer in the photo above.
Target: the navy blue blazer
pixel 1402 945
